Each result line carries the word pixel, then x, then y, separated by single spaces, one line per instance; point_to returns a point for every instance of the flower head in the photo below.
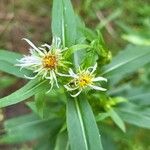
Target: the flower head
pixel 84 79
pixel 44 61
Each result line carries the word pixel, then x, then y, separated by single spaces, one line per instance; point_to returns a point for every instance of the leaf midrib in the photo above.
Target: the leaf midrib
pixel 81 123
pixel 123 63
pixel 35 122
pixel 3 100
pixel 138 95
pixel 63 25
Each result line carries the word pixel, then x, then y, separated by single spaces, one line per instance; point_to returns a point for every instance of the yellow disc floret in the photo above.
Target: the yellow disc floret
pixel 84 80
pixel 50 62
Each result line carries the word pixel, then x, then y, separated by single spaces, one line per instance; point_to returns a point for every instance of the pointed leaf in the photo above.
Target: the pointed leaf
pixel 127 61
pixel 62 141
pixel 63 22
pixel 8 56
pixel 8 60
pixel 25 92
pixel 116 118
pixel 134 115
pixel 30 130
pixel 82 128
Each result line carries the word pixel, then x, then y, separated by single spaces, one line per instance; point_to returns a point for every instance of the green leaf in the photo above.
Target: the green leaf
pixel 136 119
pixel 102 116
pixel 62 141
pixel 117 120
pixel 40 103
pixel 88 33
pixel 130 107
pixel 81 125
pixel 127 61
pixel 46 143
pixel 8 61
pixel 13 70
pixel 75 48
pixel 135 115
pixel 14 122
pixel 108 142
pixel 10 57
pixel 30 130
pixel 137 39
pixel 25 92
pixel 141 98
pixel 6 81
pixel 138 95
pixel 63 22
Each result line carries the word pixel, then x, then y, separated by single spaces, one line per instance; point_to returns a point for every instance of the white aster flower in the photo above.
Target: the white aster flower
pixel 84 79
pixel 44 61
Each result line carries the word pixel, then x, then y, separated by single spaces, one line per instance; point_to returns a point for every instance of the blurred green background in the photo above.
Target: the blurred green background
pixel 121 22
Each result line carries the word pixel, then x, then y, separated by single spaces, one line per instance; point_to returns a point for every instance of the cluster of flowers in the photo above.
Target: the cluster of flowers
pixel 46 61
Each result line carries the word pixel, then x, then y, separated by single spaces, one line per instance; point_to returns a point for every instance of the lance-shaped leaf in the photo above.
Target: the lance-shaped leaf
pixel 8 60
pixel 135 115
pixel 81 125
pixel 29 129
pixel 6 81
pixel 74 49
pixel 63 22
pixel 25 92
pixel 127 61
pixel 62 141
pixel 116 118
pixel 9 56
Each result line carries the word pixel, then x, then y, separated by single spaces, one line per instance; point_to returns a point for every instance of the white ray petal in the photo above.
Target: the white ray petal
pixel 34 76
pixel 94 68
pixel 46 45
pixel 32 51
pixel 34 47
pixel 72 73
pixel 55 78
pixel 66 48
pixel 63 75
pixel 25 65
pixel 69 88
pixel 30 77
pixel 41 68
pixel 56 41
pixel 49 77
pixel 97 88
pixel 30 43
pixel 99 79
pixel 45 73
pixel 44 50
pixel 52 84
pixel 75 95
